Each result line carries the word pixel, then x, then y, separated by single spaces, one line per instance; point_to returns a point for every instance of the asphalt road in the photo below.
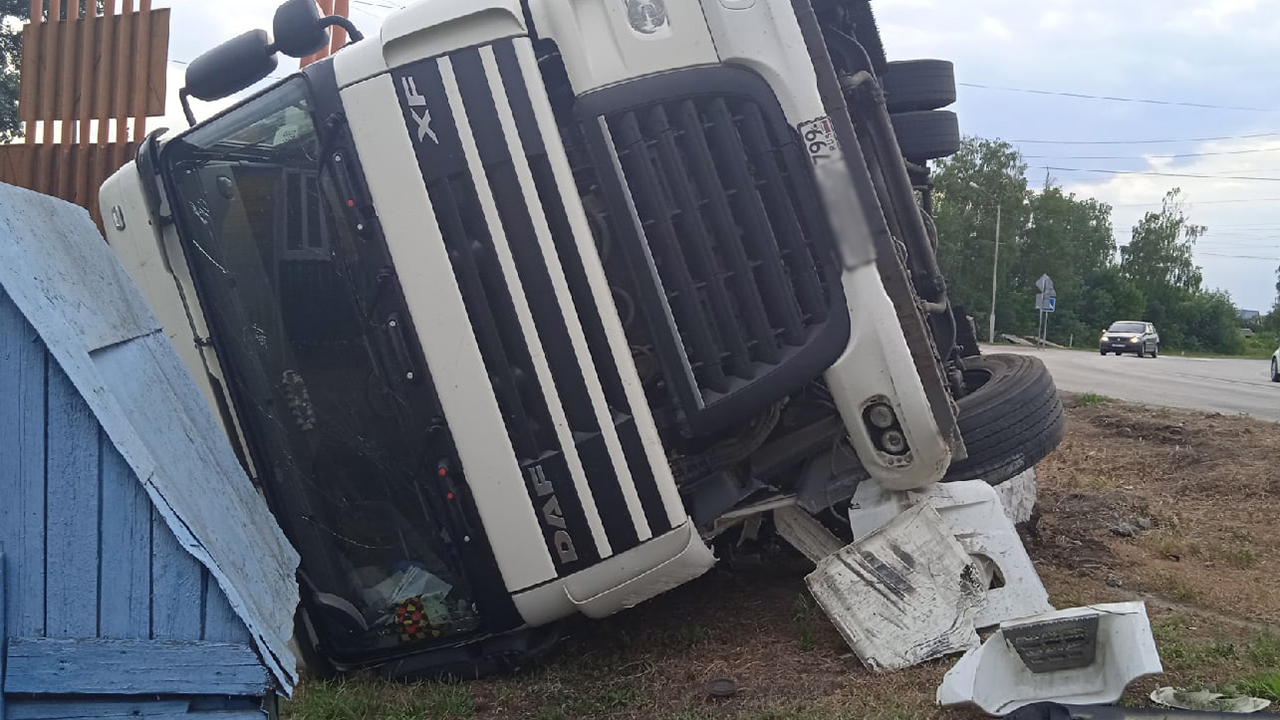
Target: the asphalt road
pixel 1217 385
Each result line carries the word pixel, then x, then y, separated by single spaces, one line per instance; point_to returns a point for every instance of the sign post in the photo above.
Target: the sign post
pixel 1046 303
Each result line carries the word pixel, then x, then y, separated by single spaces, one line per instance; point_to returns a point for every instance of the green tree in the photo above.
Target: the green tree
pixel 1159 257
pixel 12 14
pixel 965 216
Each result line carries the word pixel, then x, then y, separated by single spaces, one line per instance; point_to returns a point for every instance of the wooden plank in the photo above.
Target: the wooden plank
pixel 124 604
pixel 47 72
pixel 177 593
pixel 72 488
pixel 132 667
pixel 69 709
pixel 22 450
pixel 158 75
pixel 221 624
pixel 69 52
pixel 138 102
pixel 125 57
pixel 339 36
pixel 104 71
pixel 28 85
pixel 4 632
pixel 84 106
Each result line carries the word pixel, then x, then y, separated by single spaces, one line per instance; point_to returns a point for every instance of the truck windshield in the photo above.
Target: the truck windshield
pixel 301 310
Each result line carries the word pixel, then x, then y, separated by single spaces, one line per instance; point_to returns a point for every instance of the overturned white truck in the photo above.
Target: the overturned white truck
pixel 511 308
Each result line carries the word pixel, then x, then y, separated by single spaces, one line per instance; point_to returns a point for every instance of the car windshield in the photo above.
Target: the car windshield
pixel 297 305
pixel 1127 327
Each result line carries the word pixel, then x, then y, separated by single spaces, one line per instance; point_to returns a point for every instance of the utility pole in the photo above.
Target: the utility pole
pixel 995 263
pixel 995 267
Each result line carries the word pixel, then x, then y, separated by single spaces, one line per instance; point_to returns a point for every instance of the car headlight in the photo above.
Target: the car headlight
pixel 1133 339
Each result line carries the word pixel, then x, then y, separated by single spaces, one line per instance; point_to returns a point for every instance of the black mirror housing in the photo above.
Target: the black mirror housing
pixel 298 28
pixel 232 66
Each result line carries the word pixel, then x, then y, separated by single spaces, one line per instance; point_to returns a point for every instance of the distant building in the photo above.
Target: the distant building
pixel 1248 315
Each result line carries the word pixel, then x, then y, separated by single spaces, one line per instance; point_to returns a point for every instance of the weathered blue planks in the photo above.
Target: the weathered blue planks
pixel 132 667
pixel 71 531
pixel 120 499
pixel 157 709
pixel 221 624
pixel 125 603
pixel 3 634
pixel 177 611
pixel 22 450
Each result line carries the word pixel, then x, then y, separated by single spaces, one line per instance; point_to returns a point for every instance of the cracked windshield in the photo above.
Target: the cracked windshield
pixel 305 326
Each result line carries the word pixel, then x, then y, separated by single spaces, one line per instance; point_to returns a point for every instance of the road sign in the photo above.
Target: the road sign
pixel 1046 302
pixel 1052 304
pixel 1045 285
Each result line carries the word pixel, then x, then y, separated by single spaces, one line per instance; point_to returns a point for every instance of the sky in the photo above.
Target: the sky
pixel 1187 53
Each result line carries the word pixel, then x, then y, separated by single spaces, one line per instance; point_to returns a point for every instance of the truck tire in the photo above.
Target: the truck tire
pixel 1010 422
pixel 927 134
pixel 914 85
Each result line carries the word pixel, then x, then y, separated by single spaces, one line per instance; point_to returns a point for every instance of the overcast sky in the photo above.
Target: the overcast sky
pixel 1224 53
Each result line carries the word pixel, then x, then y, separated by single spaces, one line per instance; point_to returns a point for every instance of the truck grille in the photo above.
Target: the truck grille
pixel 731 253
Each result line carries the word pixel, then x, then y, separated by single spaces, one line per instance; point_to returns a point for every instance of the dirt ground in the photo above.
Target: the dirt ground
pixel 1173 507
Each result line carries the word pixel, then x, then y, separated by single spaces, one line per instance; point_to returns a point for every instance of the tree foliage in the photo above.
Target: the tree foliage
pixel 1154 276
pixel 12 12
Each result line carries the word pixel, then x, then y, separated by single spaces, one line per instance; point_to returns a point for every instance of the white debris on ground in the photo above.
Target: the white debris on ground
pixel 919 579
pixel 1080 656
pixel 902 595
pixel 1204 700
pixel 973 513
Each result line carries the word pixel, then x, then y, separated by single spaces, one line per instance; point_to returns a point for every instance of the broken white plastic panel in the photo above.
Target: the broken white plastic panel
pixel 1018 495
pixel 1080 656
pixel 902 595
pixel 973 513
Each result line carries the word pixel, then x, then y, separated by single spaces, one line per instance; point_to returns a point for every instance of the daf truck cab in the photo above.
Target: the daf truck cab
pixel 513 307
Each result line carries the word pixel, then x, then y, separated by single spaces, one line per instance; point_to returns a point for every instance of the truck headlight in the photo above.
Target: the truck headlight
pixel 1133 340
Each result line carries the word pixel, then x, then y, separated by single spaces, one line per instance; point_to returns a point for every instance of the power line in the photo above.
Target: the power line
pixel 1148 142
pixel 1113 98
pixel 1158 174
pixel 1203 202
pixel 1144 157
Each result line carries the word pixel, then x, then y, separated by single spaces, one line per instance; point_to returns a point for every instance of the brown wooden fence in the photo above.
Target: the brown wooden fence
pixel 88 84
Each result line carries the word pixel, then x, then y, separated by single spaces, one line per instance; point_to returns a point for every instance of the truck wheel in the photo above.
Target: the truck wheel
pixel 912 85
pixel 927 134
pixel 1010 421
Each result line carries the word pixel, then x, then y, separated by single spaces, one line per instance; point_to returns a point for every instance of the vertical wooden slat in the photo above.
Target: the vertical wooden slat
pixel 105 72
pixel 27 91
pixel 157 75
pixel 72 484
pixel 22 451
pixel 47 103
pixel 221 624
pixel 85 177
pixel 4 631
pixel 176 612
pixel 125 603
pixel 339 36
pixel 123 79
pixel 66 97
pixel 142 71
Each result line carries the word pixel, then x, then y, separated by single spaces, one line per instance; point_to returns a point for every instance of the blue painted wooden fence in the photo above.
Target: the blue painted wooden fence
pixel 102 612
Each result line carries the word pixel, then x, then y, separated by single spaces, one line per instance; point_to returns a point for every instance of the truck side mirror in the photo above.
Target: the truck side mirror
pixel 298 29
pixel 232 66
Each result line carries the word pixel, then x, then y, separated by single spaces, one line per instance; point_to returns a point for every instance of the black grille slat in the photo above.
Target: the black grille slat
pixel 637 162
pixel 754 317
pixel 698 245
pixel 702 169
pixel 505 376
pixel 730 154
pixel 800 263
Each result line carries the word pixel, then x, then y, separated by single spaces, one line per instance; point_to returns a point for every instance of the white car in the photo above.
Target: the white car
pixel 1275 366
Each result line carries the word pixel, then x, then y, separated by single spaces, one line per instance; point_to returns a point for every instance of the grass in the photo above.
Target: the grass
pixel 1093 399
pixel 361 697
pixel 1265 685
